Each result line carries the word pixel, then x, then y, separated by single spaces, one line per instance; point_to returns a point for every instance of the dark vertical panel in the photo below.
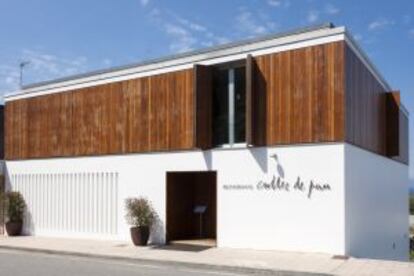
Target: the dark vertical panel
pixel 392 123
pixel 365 106
pixel 185 190
pixel 256 104
pixel 249 99
pixel 339 91
pixel 403 138
pixel 203 87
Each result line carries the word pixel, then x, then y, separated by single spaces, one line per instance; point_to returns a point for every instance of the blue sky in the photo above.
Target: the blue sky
pixel 62 38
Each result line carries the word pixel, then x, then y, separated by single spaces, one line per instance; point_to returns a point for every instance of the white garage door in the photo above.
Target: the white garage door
pixel 69 203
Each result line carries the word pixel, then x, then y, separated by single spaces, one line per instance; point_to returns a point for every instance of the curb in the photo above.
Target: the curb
pixel 203 266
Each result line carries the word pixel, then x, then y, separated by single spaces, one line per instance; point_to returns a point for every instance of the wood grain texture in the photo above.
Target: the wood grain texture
pixel 366 112
pixel 392 123
pixel 256 104
pixel 304 94
pixel 365 102
pixel 322 93
pixel 203 87
pixel 140 115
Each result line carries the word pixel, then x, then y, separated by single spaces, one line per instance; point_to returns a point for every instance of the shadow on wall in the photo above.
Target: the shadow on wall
pixel 157 236
pixel 28 223
pixel 208 159
pixel 261 157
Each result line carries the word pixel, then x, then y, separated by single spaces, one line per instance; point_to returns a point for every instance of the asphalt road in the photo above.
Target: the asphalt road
pixel 18 263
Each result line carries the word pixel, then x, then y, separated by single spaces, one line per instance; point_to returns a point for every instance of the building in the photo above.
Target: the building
pixel 292 141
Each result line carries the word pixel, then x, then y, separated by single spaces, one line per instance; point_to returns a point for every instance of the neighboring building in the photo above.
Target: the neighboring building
pixel 292 141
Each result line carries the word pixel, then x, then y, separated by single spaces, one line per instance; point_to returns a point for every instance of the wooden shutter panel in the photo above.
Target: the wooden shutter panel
pixel 255 105
pixel 392 123
pixel 203 91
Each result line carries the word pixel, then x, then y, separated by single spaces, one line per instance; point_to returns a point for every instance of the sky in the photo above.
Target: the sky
pixel 62 38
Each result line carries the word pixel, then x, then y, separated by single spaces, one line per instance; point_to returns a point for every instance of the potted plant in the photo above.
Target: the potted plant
pixel 15 208
pixel 140 215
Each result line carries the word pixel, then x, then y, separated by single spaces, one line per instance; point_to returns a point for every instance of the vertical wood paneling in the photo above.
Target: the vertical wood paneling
pixel 365 106
pixel 256 104
pixel 322 93
pixel 305 98
pixel 147 114
pixel 203 87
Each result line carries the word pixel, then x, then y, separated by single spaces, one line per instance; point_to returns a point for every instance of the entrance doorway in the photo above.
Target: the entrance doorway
pixel 191 207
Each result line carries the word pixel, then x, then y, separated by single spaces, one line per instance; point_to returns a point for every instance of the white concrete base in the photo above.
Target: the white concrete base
pixel 260 202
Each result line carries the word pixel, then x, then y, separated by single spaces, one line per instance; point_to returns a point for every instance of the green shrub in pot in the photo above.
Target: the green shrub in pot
pixel 140 215
pixel 15 209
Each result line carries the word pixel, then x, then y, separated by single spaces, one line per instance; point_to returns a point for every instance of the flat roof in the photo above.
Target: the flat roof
pixel 185 54
pixel 301 37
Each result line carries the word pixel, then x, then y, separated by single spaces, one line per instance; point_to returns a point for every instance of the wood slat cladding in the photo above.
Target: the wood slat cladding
pixel 365 101
pixel 147 114
pixel 392 123
pixel 304 94
pixel 203 92
pixel 256 109
pixel 323 93
pixel 366 112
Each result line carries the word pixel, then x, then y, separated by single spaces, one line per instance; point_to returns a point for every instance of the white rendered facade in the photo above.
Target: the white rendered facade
pixel 357 206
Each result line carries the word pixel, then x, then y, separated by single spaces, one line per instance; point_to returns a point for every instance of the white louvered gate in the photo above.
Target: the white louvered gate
pixel 69 203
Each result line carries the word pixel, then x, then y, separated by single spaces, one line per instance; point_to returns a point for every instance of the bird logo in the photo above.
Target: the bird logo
pixel 279 168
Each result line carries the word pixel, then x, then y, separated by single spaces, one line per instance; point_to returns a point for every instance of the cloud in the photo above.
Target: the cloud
pixel 191 25
pixel 183 40
pixel 247 22
pixel 358 37
pixel 380 24
pixel 51 66
pixel 278 3
pixel 184 33
pixel 313 16
pixel 144 2
pixel 411 32
pixel 331 9
pixel 9 77
pixel 107 62
pixel 406 19
pixel 254 24
pixel 43 66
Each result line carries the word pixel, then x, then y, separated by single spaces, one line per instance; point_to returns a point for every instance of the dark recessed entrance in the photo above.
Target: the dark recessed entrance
pixel 191 206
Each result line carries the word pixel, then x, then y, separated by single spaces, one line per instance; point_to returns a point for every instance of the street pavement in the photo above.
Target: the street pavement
pixel 19 263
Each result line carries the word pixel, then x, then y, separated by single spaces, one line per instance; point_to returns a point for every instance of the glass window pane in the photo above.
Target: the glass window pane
pixel 221 109
pixel 240 105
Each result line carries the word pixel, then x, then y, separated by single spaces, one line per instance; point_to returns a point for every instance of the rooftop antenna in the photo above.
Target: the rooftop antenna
pixel 22 65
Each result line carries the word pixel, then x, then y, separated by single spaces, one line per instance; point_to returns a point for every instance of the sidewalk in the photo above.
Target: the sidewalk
pixel 236 259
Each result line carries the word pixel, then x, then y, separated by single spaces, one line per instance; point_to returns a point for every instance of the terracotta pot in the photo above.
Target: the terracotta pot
pixel 140 235
pixel 14 228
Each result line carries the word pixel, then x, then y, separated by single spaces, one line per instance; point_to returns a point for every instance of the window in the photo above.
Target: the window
pixel 229 106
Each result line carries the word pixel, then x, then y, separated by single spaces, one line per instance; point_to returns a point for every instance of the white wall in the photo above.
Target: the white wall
pixel 284 220
pixel 376 205
pixel 262 219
